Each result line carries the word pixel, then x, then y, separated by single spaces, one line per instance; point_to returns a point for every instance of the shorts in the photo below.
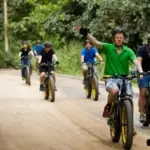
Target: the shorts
pixel 144 82
pixel 85 67
pixel 117 84
pixel 44 69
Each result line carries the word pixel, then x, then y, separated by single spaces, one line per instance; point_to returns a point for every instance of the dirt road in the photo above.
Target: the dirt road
pixel 27 122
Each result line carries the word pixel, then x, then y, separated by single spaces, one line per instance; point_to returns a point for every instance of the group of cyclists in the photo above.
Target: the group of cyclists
pixel 43 53
pixel 118 58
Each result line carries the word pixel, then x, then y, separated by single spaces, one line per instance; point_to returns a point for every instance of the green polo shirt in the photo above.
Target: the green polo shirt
pixel 117 64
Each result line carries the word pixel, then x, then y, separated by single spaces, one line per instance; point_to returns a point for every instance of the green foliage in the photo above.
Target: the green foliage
pixel 54 20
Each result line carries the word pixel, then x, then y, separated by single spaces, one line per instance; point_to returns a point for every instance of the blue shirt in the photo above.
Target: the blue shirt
pixel 38 49
pixel 89 55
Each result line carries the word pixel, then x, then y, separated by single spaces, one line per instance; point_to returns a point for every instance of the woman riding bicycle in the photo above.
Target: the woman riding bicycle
pixel 24 55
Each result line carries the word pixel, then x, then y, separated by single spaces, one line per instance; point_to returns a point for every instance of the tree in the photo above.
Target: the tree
pixel 6 27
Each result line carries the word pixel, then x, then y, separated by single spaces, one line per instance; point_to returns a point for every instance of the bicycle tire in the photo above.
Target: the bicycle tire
pixel 46 91
pixel 115 129
pixel 28 79
pixel 127 120
pixel 95 94
pixel 51 89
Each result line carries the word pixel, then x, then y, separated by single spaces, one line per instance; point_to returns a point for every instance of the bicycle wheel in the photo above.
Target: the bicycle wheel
pixel 115 130
pixel 95 88
pixel 28 79
pixel 88 89
pixel 46 91
pixel 127 124
pixel 51 89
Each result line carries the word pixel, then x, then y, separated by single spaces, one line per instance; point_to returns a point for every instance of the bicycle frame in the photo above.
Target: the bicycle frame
pixel 91 71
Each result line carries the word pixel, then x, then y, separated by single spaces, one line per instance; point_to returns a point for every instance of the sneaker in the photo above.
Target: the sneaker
pixel 106 110
pixel 23 78
pixel 142 118
pixel 42 87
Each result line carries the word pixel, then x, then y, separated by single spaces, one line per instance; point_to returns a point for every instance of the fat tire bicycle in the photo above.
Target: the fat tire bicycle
pixel 91 83
pixel 121 114
pixel 49 84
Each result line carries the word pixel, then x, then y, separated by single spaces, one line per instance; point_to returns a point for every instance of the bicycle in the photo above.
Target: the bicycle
pixel 49 84
pixel 91 83
pixel 27 70
pixel 121 114
pixel 147 107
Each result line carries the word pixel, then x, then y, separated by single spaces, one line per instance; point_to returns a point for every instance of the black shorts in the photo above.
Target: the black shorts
pixel 44 69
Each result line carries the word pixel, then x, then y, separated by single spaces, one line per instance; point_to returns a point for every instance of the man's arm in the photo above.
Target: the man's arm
pixel 82 58
pixel 55 58
pixel 99 57
pixel 138 65
pixel 94 41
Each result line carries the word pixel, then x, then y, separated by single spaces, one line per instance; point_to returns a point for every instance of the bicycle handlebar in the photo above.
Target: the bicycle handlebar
pixel 25 57
pixel 47 64
pixel 123 77
pixel 145 73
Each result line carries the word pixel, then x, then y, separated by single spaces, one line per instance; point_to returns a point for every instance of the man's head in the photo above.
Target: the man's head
pixel 38 42
pixel 88 44
pixel 25 44
pixel 47 46
pixel 118 36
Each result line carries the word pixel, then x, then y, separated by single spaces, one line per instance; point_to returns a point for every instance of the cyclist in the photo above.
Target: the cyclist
pixel 118 57
pixel 25 51
pixel 143 55
pixel 88 55
pixel 47 55
pixel 38 47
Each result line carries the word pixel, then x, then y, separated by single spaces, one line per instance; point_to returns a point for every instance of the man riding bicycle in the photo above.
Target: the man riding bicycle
pixel 118 57
pixel 88 55
pixel 37 48
pixel 47 55
pixel 143 55
pixel 25 52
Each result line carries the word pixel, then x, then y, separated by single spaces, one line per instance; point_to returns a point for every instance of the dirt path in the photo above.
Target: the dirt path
pixel 27 122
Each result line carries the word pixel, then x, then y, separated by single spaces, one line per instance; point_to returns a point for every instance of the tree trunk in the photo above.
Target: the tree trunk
pixel 6 27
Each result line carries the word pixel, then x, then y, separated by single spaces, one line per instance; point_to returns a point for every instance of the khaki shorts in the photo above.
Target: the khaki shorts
pixel 84 66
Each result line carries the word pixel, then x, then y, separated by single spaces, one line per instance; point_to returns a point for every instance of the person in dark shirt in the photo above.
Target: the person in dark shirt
pixel 24 54
pixel 143 55
pixel 47 55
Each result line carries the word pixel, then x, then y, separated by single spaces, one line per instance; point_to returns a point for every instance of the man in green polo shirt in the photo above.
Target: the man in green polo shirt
pixel 118 57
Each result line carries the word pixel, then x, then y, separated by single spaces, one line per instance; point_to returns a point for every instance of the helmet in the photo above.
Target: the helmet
pixel 47 44
pixel 38 42
pixel 118 30
pixel 87 41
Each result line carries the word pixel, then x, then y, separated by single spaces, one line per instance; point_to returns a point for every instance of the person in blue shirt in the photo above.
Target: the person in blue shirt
pixel 38 48
pixel 88 55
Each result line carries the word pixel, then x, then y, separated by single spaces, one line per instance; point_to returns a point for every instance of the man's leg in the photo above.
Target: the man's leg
pixel 143 83
pixel 84 72
pixel 42 77
pixel 112 88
